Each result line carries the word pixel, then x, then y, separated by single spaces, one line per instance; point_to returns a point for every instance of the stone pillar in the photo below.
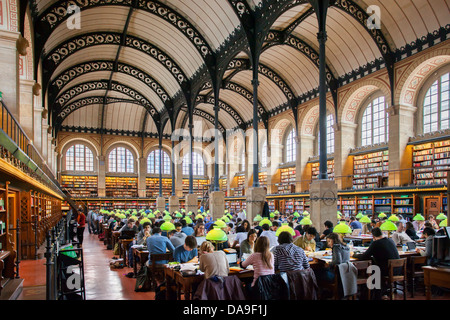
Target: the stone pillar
pixel 44 150
pixel 400 154
pixel 255 202
pixel 216 204
pixel 305 150
pixel 191 203
pixel 161 204
pixel 142 174
pixel 37 127
pixel 179 180
pixel 321 209
pixel 26 112
pixel 174 203
pixel 9 66
pixel 101 176
pixel 345 140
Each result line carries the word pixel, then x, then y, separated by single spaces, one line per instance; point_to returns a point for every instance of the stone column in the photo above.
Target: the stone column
pixel 191 203
pixel 161 204
pixel 44 149
pixel 323 195
pixel 101 176
pixel 345 140
pixel 306 149
pixel 9 66
pixel 26 112
pixel 37 135
pixel 255 197
pixel 142 184
pixel 401 119
pixel 174 203
pixel 217 204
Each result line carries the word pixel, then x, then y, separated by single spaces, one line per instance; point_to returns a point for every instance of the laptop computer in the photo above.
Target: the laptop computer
pixel 232 259
pixel 127 234
pixel 411 246
pixel 356 232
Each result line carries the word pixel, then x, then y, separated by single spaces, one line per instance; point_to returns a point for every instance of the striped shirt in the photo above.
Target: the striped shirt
pixel 290 257
pixel 259 267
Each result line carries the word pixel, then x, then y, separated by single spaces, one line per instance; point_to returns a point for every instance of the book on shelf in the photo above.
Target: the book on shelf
pixel 368 167
pixel 431 162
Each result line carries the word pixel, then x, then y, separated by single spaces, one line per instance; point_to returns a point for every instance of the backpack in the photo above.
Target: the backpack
pixel 143 281
pixel 160 292
pixel 116 249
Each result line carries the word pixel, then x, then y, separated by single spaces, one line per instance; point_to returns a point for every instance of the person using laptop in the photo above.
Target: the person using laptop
pixel 307 242
pixel 428 233
pixel 355 224
pixel 187 251
pixel 270 234
pixel 128 229
pixel 400 237
pixel 410 231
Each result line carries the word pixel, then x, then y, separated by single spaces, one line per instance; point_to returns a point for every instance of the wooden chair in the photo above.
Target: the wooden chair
pixel 362 275
pixel 393 279
pixel 416 271
pixel 158 269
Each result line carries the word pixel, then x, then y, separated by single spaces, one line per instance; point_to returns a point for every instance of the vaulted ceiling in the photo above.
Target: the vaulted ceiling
pixel 142 66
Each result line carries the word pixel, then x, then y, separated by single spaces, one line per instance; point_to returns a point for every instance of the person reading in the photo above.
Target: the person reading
pixel 187 251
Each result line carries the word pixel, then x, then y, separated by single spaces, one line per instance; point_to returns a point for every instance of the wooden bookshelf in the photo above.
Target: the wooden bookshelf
pixel 152 187
pixel 121 187
pixel 263 179
pixel 237 205
pixel 223 185
pixel 347 205
pixel 271 204
pixel 199 186
pixel 315 167
pixel 431 162
pixel 287 181
pixel 239 191
pixel 364 204
pixel 80 186
pixel 3 217
pixel 370 170
pixel 404 204
pixel 382 204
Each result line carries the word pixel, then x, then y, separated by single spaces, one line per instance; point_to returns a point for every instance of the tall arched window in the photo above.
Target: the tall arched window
pixel 374 123
pixel 79 158
pixel 436 113
pixel 264 154
pixel 121 160
pixel 291 147
pixel 330 135
pixel 153 162
pixel 198 165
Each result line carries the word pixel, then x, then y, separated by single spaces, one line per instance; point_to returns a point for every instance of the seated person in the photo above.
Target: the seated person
pixel 212 263
pixel 328 229
pixel 262 260
pixel 247 246
pixel 270 234
pixel 199 230
pixel 288 256
pixel 241 235
pixel 340 254
pixel 186 229
pixel 178 237
pixel 130 226
pixel 355 224
pixel 400 237
pixel 144 234
pixel 307 242
pixel 429 234
pixel 158 244
pixel 187 251
pixel 410 231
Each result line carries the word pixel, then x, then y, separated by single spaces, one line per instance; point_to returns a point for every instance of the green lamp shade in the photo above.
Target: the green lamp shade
pixel 144 220
pixel 229 216
pixel 188 220
pixel 305 213
pixel 220 223
pixel 388 226
pixel 225 219
pixel 257 218
pixel 441 216
pixel 394 218
pixel 272 215
pixel 285 228
pixel 199 216
pixel 365 219
pixel 265 221
pixel 205 213
pixel 167 226
pixel 418 217
pixel 382 215
pixel 359 216
pixel 167 217
pixel 443 223
pixel 132 218
pixel 151 215
pixel 143 214
pixel 226 211
pixel 276 212
pixel 178 215
pixel 190 213
pixel 199 211
pixel 216 235
pixel 342 228
pixel 306 222
pixel 296 214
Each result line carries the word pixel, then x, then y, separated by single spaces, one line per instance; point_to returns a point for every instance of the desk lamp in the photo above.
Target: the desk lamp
pixel 178 215
pixel 382 215
pixel 443 223
pixel 272 215
pixel 342 228
pixel 144 220
pixel 418 217
pixel 188 220
pixel 265 221
pixel 306 222
pixel 441 216
pixel 190 213
pixel 225 219
pixel 388 226
pixel 285 228
pixel 257 218
pixel 220 223
pixel 393 218
pixel 296 214
pixel 198 216
pixel 167 217
pixel 359 215
pixel 365 219
pixel 216 235
pixel 167 226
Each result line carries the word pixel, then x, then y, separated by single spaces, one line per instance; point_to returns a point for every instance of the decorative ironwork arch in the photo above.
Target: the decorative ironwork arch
pixel 222 105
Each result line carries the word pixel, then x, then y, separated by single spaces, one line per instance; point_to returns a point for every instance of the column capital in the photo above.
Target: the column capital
pixel 399 108
pixel 9 39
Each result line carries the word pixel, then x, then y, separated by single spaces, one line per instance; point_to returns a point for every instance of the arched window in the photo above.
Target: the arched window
pixel 79 158
pixel 198 165
pixel 153 162
pixel 121 160
pixel 291 147
pixel 330 135
pixel 243 161
pixel 436 113
pixel 264 155
pixel 374 123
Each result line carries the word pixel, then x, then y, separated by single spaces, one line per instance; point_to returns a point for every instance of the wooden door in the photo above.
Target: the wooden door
pixel 432 207
pixel 12 217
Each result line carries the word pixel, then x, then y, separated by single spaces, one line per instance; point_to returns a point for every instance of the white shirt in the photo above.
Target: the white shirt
pixel 240 236
pixel 272 237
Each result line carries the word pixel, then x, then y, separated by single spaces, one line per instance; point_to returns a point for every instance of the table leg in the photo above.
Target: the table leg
pixel 427 281
pixel 134 263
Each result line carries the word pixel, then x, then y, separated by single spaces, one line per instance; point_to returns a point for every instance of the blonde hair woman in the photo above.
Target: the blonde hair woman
pixel 212 263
